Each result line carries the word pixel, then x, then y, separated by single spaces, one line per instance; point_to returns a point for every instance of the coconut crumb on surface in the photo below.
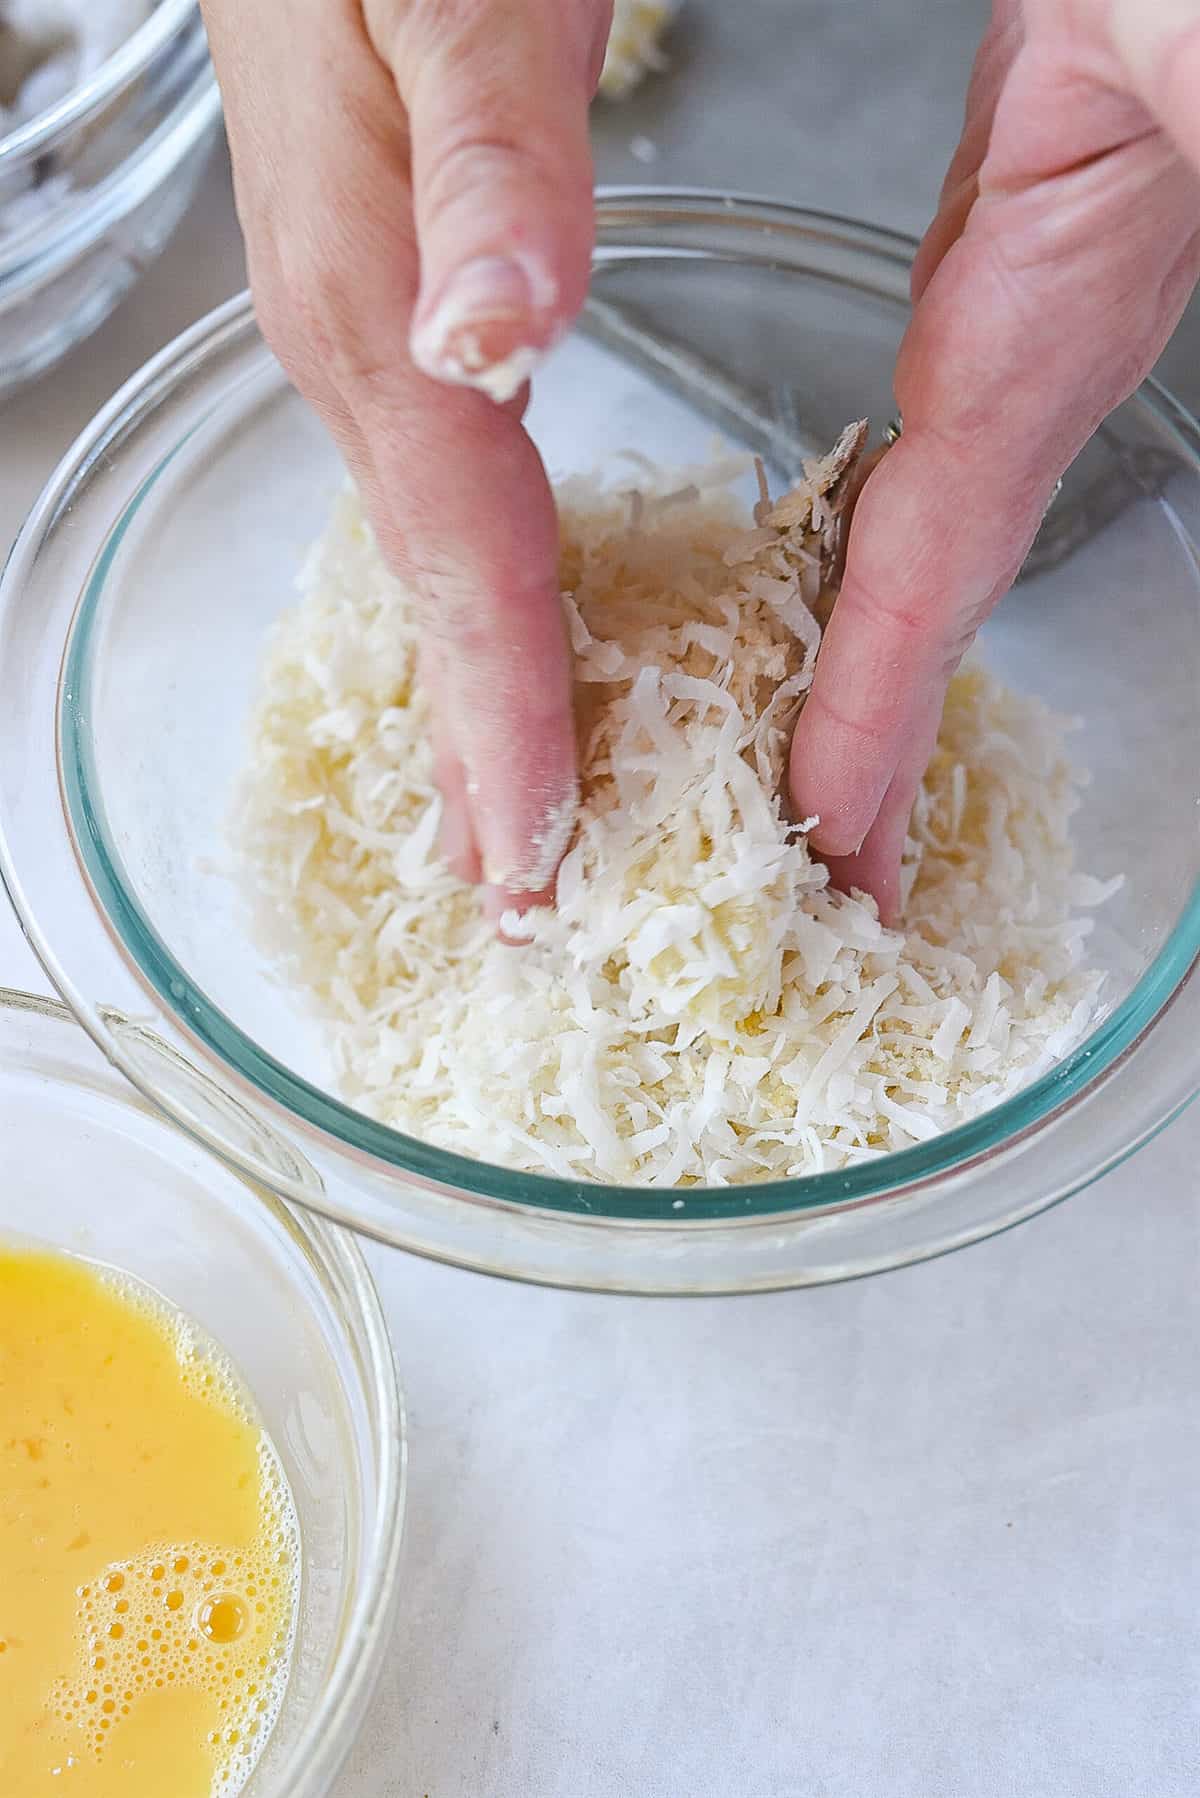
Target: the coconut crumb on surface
pixel 634 47
pixel 700 1006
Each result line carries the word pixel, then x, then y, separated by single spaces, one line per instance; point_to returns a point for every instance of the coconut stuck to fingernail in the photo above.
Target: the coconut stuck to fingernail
pixel 490 327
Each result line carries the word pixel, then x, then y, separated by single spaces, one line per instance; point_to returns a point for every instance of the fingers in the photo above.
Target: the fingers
pixel 463 512
pixel 453 486
pixel 940 529
pixel 497 99
pixel 1000 44
pixel 947 227
pixel 456 837
pixel 876 867
pixel 1045 313
pixel 478 540
pixel 918 579
pixel 1157 43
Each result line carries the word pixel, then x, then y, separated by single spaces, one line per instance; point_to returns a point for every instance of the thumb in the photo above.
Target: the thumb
pixel 497 99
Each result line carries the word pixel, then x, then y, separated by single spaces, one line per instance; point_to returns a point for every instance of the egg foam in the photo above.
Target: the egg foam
pixel 149 1545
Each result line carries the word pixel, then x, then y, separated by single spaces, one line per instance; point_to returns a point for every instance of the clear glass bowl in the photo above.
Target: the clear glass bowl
pixel 132 614
pixel 86 1165
pixel 91 189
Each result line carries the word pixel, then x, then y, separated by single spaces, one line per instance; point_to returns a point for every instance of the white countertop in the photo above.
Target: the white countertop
pixel 934 1533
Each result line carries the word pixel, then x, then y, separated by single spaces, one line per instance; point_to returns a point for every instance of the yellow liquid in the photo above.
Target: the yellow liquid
pixel 149 1556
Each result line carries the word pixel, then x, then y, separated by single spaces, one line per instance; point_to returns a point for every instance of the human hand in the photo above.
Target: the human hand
pixel 414 183
pixel 1065 247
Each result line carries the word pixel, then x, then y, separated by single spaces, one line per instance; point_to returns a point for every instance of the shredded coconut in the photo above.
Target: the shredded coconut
pixel 700 1005
pixel 49 47
pixel 634 47
pixel 502 380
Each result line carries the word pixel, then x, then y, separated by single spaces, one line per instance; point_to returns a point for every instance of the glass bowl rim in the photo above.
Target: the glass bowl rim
pixel 326 1735
pixel 390 1151
pixel 129 60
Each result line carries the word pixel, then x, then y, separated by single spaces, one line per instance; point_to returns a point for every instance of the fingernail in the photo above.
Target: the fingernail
pixel 506 910
pixel 532 871
pixel 489 328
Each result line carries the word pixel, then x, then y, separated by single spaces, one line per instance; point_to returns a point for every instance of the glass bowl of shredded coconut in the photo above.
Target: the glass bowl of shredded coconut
pixel 107 111
pixel 703 1069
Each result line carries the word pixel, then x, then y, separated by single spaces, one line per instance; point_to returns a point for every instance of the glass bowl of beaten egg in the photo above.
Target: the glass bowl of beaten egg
pixel 98 162
pixel 132 621
pixel 215 1467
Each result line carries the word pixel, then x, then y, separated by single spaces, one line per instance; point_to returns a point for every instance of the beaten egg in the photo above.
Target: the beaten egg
pixel 149 1549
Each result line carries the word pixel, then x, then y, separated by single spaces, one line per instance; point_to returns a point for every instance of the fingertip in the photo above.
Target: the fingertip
pixel 875 866
pixel 456 839
pixel 523 849
pixel 487 324
pixel 870 871
pixel 516 407
pixel 836 838
pixel 507 909
pixel 829 783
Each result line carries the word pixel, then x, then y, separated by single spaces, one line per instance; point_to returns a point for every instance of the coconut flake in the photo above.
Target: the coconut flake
pixel 700 1006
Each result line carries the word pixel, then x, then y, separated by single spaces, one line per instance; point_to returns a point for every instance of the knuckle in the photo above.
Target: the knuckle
pixel 311 314
pixel 887 610
pixel 891 613
pixel 469 164
pixel 445 607
pixel 466 613
pixel 272 306
pixel 298 308
pixel 822 710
